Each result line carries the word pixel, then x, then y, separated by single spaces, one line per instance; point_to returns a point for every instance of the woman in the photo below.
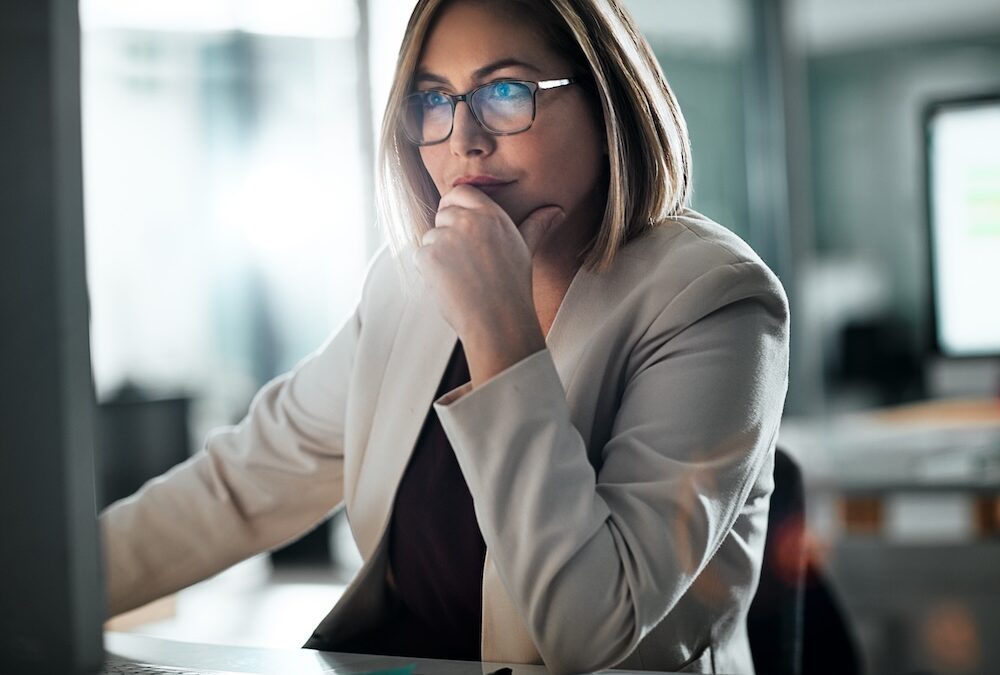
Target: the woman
pixel 587 483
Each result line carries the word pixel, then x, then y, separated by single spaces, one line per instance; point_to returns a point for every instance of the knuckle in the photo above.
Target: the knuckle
pixel 445 215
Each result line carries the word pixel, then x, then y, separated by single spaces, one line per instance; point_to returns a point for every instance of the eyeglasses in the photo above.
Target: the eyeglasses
pixel 502 108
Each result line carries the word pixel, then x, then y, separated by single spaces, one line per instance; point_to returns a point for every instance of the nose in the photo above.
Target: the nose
pixel 467 136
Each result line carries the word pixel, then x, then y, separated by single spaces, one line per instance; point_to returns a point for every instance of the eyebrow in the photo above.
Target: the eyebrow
pixel 424 75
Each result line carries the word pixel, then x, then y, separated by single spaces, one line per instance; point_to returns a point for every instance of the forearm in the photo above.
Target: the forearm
pixel 543 520
pixel 172 534
pixel 202 517
pixel 253 487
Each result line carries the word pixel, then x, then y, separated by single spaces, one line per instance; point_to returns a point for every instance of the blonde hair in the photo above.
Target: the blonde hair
pixel 649 155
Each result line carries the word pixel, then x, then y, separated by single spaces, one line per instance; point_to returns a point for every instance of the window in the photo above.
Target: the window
pixel 228 193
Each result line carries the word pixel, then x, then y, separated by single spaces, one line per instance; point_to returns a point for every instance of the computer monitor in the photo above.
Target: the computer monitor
pixel 51 599
pixel 963 208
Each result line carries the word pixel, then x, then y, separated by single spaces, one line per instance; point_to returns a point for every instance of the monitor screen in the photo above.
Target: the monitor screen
pixel 963 163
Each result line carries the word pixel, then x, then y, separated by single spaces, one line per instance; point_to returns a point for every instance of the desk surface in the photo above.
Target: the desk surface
pixel 961 411
pixel 938 445
pixel 261 661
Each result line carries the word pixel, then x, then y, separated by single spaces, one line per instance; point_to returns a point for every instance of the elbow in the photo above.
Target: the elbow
pixel 584 642
pixel 584 655
pixel 581 624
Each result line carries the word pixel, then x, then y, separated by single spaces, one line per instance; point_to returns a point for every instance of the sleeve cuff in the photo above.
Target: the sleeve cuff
pixel 530 363
pixel 525 398
pixel 452 396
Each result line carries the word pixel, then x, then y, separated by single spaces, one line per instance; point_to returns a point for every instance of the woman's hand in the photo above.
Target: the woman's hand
pixel 477 264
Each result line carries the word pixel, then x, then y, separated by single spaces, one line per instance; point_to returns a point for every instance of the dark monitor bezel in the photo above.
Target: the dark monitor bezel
pixel 51 597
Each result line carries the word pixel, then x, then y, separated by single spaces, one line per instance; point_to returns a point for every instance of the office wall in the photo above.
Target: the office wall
pixel 226 215
pixel 709 87
pixel 865 109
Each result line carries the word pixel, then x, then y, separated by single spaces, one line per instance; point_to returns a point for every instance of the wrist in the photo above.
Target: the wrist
pixel 490 348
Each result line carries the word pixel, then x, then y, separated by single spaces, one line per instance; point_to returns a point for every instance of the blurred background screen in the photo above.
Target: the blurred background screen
pixel 963 139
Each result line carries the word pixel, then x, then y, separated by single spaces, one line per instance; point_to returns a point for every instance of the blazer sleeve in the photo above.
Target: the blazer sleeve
pixel 593 560
pixel 253 486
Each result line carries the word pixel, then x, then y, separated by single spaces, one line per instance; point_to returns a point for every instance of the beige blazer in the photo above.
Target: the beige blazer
pixel 621 476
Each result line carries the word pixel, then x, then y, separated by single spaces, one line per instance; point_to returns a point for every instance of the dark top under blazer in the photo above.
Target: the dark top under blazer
pixel 436 551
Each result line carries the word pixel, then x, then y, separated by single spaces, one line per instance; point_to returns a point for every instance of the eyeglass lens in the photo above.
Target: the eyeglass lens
pixel 501 107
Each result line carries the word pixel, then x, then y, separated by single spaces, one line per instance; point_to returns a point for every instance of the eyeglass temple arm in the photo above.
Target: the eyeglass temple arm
pixel 552 84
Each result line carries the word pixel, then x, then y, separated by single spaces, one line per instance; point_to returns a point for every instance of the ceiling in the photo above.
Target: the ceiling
pixel 835 25
pixel 818 25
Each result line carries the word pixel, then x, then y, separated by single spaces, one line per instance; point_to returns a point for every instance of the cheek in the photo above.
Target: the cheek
pixel 571 161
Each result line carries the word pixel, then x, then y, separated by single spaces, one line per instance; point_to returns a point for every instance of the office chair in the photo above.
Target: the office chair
pixel 795 624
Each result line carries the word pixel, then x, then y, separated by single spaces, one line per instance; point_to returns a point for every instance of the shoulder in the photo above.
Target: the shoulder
pixel 687 246
pixel 684 270
pixel 692 257
pixel 384 286
pixel 382 276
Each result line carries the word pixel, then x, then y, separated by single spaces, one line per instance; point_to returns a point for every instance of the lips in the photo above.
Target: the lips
pixel 481 181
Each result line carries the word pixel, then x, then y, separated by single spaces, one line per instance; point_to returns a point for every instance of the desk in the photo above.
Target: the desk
pixel 878 464
pixel 262 661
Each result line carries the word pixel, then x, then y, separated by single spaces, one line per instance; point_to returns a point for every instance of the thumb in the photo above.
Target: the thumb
pixel 536 226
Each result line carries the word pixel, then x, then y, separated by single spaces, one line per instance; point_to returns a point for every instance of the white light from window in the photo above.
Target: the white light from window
pixel 300 18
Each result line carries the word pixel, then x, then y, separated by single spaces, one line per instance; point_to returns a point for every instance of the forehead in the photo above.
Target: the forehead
pixel 470 33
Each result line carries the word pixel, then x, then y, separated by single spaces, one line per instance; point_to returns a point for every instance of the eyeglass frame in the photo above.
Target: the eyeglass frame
pixel 455 99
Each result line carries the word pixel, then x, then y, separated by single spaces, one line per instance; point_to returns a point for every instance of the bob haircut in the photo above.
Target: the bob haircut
pixel 649 155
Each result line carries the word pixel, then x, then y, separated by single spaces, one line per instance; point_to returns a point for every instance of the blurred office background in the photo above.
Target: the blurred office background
pixel 228 154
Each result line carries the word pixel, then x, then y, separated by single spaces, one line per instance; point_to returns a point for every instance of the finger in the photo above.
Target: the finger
pixel 466 196
pixel 451 216
pixel 430 236
pixel 535 228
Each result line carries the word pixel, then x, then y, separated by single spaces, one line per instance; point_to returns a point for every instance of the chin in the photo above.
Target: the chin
pixel 512 209
pixel 518 207
pixel 519 215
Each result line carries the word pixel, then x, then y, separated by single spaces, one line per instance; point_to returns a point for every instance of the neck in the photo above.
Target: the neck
pixel 552 272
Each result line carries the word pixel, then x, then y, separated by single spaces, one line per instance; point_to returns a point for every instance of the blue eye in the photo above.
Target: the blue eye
pixel 509 92
pixel 434 99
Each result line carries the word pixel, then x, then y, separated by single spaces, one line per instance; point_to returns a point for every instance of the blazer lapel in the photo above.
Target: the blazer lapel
pixel 571 321
pixel 589 302
pixel 420 353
